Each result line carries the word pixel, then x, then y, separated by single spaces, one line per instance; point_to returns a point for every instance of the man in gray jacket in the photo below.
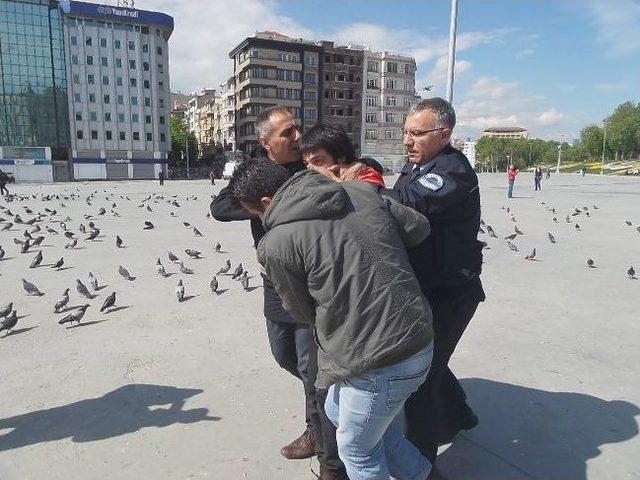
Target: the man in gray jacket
pixel 336 255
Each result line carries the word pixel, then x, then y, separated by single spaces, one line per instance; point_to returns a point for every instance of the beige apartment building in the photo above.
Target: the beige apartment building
pixel 198 108
pixel 224 116
pixel 506 132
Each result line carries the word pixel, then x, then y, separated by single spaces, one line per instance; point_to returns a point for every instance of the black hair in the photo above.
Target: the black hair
pixel 332 138
pixel 256 178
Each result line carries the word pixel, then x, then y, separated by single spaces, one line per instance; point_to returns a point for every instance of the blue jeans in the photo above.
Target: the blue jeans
pixel 510 189
pixel 368 412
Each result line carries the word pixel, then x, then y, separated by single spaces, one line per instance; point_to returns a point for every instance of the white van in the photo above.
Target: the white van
pixel 229 168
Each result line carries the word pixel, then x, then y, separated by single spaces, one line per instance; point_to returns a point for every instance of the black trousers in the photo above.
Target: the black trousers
pixel 3 189
pixel 324 429
pixel 435 410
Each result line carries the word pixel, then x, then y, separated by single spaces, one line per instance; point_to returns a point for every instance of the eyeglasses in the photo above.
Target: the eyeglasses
pixel 419 133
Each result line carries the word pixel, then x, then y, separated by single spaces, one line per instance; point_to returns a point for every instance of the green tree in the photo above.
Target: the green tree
pixel 180 138
pixel 591 140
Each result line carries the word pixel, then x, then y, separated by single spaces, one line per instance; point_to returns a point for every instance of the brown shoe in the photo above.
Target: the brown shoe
pixel 302 447
pixel 330 474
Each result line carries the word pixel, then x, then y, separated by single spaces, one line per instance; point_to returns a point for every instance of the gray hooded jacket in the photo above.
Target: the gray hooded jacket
pixel 336 255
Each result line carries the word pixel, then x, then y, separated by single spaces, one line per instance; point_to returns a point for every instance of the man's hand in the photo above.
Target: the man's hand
pixel 339 173
pixel 333 172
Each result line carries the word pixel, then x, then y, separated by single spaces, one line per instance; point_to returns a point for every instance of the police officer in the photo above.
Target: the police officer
pixel 440 183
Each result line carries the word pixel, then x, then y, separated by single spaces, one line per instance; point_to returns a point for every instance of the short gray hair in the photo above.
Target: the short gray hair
pixel 442 110
pixel 263 119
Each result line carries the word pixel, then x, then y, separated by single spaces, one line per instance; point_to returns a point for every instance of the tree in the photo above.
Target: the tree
pixel 591 138
pixel 180 137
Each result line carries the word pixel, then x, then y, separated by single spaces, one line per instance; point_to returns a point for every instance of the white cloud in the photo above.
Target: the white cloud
pixel 550 117
pixel 525 52
pixel 493 88
pixel 617 25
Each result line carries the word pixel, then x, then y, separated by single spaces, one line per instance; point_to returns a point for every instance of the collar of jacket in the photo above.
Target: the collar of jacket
pixel 426 166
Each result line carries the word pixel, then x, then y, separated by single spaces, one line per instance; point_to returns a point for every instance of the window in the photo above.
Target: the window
pixel 149 137
pixel 161 103
pixel 107 116
pixel 145 66
pixel 372 83
pixel 392 67
pixel 372 101
pixel 310 60
pixel 132 45
pixel 390 117
pixel 136 135
pixel 310 78
pixel 147 101
pixel 76 98
pixel 134 100
pixel 371 118
pixel 117 44
pixel 144 30
pixel 88 41
pixel 372 66
pixel 107 134
pixel 78 116
pixel 327 59
pixel 118 63
pixel 407 69
pixel 161 120
pixel 406 102
pixel 106 98
pixel 161 85
pixel 74 40
pixel 391 101
pixel 146 84
pixel 92 98
pixel 160 68
pixel 119 81
pixel 94 134
pixel 159 50
pixel 105 80
pixel 93 116
pixel 145 48
pixel 370 134
pixel 122 135
pixel 391 84
pixel 389 134
pixel 121 119
pixel 133 82
pixel 79 134
pixel 132 64
pixel 340 77
pixel 103 42
pixel 74 59
pixel 76 78
pixel 147 119
pixel 135 118
pixel 163 137
pixel 89 60
pixel 310 114
pixel 120 99
pixel 310 96
pixel 91 79
pixel 104 61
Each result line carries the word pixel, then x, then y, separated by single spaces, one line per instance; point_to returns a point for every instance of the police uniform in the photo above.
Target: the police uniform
pixel 448 265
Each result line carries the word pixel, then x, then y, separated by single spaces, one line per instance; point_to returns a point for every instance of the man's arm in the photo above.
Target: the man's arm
pixel 413 227
pixel 290 283
pixel 225 209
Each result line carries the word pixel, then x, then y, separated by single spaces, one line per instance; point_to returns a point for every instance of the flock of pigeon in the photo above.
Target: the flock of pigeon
pixel 30 227
pixel 571 218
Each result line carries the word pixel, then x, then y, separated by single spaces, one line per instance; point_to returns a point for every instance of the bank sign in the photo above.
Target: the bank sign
pixel 106 12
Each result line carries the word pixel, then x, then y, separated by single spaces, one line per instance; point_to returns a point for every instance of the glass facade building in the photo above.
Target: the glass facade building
pixel 33 86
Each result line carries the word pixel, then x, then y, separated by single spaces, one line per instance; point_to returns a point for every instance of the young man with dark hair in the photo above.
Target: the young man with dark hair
pixel 336 255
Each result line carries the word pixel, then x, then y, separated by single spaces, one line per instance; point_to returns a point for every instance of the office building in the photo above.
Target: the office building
pixel 505 132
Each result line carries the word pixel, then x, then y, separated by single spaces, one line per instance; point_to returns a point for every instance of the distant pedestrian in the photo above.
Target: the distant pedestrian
pixel 212 177
pixel 4 179
pixel 548 174
pixel 511 176
pixel 537 177
pixel 161 177
pixel 583 171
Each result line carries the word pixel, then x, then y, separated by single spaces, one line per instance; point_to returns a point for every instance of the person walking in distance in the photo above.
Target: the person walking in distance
pixel 161 177
pixel 511 178
pixel 537 177
pixel 4 179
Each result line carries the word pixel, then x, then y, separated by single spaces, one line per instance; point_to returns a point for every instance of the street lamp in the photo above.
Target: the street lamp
pixel 559 158
pixel 452 49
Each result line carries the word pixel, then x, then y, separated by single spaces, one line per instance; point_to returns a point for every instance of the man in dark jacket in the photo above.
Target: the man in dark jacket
pixel 336 255
pixel 289 338
pixel 440 183
pixel 4 179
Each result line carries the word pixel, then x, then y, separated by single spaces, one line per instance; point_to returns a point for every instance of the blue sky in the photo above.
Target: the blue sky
pixel 549 66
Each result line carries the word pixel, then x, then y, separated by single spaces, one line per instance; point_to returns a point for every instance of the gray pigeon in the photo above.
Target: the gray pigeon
pixel 37 260
pixel 74 317
pixel 512 246
pixel 552 239
pixel 180 291
pixel 6 309
pixel 123 271
pixel 148 226
pixel 237 272
pixel 72 244
pixel 568 219
pixel 244 281
pixel 184 269
pixel 160 269
pixel 58 264
pixel 109 302
pixel 93 234
pixel 83 290
pixel 517 230
pixel 491 232
pixel 511 237
pixel 64 300
pixel 93 282
pixel 172 257
pixel 118 241
pixel 218 247
pixel 214 284
pixel 9 322
pixel 631 272
pixel 531 255
pixel 31 289
pixel 6 227
pixel 196 232
pixel 2 253
pixel 193 253
pixel 590 263
pixel 226 268
pixel 628 223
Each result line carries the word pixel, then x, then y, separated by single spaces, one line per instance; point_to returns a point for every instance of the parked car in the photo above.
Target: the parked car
pixel 229 168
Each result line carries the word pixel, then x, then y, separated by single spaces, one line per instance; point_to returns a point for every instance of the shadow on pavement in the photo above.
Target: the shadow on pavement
pixel 534 433
pixel 124 410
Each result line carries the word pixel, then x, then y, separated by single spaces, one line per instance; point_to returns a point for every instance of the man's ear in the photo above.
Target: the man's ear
pixel 446 135
pixel 265 201
pixel 263 143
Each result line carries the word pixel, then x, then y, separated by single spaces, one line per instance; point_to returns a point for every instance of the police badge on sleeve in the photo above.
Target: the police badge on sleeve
pixel 432 181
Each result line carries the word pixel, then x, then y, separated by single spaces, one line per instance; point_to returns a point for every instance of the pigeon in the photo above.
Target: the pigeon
pixel 637 229
pixel 555 219
pixel 512 246
pixel 213 284
pixel 568 220
pixel 552 239
pixel 2 253
pixel 193 253
pixel 123 271
pixel 72 244
pixel 160 269
pixel 93 282
pixel 58 264
pixel 196 232
pixel 148 225
pixel 102 211
pixel 38 241
pixel 481 230
pixel 184 269
pixel 93 234
pixel 595 207
pixel 244 281
pixel 237 272
pixel 75 317
pixel 491 232
pixel 24 248
pixel 51 231
pixel 9 322
pixel 590 263
pixel 531 255
pixel 511 237
pixel 6 309
pixel 186 224
pixel 517 230
pixel 31 289
pixel 37 260
pixel 631 273
pixel 628 222
pixel 482 222
pixel 109 302
pixel 17 241
pixel 69 235
pixel 218 247
pixel 180 291
pixel 83 290
pixel 63 302
pixel 577 227
pixel 6 227
pixel 118 241
pixel 172 257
